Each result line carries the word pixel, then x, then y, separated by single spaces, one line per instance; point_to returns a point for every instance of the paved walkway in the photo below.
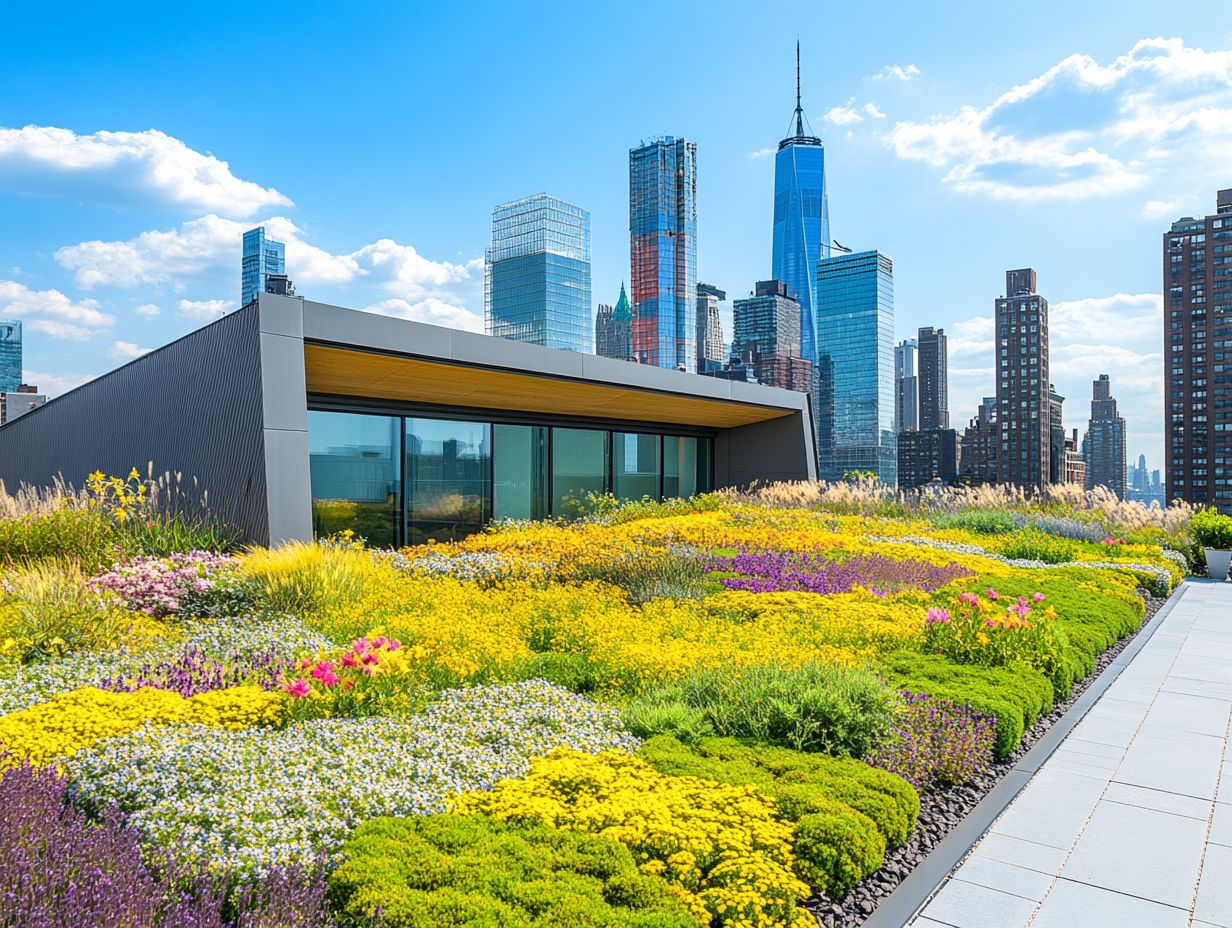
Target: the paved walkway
pixel 1129 823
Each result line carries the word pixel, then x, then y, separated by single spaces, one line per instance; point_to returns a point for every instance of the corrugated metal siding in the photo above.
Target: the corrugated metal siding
pixel 193 407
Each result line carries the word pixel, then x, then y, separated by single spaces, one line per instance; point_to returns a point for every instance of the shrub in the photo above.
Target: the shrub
pixel 1211 530
pixel 62 533
pixel 981 521
pixel 471 870
pixel 161 586
pixel 816 707
pixel 1037 546
pixel 845 813
pixel 303 579
pixel 723 848
pixel 1015 695
pixel 60 870
pixel 374 676
pixel 644 576
pixel 937 743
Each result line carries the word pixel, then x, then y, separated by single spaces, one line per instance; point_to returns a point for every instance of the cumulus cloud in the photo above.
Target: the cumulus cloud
pixel 124 166
pixel 897 72
pixel 148 310
pixel 762 153
pixel 432 311
pixel 126 351
pixel 850 113
pixel 210 248
pixel 51 312
pixel 1130 316
pixel 205 309
pixel 56 383
pixel 1083 128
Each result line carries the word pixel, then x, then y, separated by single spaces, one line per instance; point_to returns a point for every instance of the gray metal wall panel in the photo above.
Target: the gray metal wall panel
pixel 192 407
pixel 780 449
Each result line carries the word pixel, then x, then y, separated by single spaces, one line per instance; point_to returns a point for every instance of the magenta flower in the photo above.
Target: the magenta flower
pixel 971 599
pixel 936 616
pixel 1037 597
pixel 992 594
pixel 298 688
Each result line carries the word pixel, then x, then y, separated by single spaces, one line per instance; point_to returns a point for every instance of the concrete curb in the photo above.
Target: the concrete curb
pixel 910 896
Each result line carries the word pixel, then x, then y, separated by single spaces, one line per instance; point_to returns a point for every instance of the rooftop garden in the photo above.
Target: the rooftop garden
pixel 725 711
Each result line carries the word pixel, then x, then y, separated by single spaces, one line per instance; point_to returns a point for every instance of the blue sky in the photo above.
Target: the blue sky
pixel 137 143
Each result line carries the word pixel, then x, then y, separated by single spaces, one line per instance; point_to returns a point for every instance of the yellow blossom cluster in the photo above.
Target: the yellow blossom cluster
pixel 64 725
pixel 722 848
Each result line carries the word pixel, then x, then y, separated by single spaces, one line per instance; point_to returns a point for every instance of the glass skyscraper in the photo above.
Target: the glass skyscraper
pixel 537 280
pixel 855 352
pixel 10 356
pixel 801 218
pixel 663 251
pixel 262 257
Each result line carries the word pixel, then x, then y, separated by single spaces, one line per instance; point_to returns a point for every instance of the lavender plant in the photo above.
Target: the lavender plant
pixel 774 571
pixel 192 672
pixel 936 743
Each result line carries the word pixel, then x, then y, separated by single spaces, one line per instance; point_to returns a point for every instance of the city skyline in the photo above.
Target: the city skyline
pixel 128 207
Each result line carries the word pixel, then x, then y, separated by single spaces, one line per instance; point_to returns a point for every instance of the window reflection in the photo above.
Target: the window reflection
pixel 636 465
pixel 353 463
pixel 520 472
pixel 449 475
pixel 579 468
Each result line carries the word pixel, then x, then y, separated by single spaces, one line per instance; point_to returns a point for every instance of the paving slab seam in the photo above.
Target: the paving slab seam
pixel 909 900
pixel 1210 822
pixel 1111 778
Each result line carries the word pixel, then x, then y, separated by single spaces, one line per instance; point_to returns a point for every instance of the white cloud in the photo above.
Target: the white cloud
pixel 849 113
pixel 209 250
pixel 762 153
pixel 432 311
pixel 1084 129
pixel 148 310
pixel 970 337
pixel 126 351
pixel 56 383
pixel 897 72
pixel 1128 316
pixel 205 309
pixel 51 312
pixel 120 166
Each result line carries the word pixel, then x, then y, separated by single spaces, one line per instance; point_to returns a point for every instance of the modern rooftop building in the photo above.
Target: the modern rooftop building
pixel 1197 284
pixel 1024 410
pixel 20 401
pixel 801 218
pixel 328 418
pixel 614 329
pixel 1103 448
pixel 262 258
pixel 537 274
pixel 663 252
pixel 855 366
pixel 10 355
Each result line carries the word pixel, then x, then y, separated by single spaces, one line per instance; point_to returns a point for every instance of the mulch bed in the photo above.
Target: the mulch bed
pixel 942 810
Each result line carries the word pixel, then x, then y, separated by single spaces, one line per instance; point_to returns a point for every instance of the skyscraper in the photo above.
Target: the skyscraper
pixel 855 360
pixel 262 257
pixel 537 274
pixel 801 218
pixel 906 390
pixel 614 329
pixel 709 328
pixel 766 331
pixel 1056 437
pixel 1103 449
pixel 933 375
pixel 980 441
pixel 1023 407
pixel 663 252
pixel 1197 275
pixel 10 355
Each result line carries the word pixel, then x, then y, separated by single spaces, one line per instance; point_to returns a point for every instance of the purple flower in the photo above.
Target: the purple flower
pixel 935 742
pixel 775 571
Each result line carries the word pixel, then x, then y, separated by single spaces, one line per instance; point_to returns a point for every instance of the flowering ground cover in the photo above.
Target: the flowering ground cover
pixel 689 713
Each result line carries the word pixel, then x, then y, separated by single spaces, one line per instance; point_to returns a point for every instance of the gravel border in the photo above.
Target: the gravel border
pixel 941 811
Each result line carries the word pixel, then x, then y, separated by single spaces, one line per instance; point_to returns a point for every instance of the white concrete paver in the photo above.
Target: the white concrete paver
pixel 1129 822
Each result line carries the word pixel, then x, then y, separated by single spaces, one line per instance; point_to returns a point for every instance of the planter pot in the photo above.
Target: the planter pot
pixel 1217 563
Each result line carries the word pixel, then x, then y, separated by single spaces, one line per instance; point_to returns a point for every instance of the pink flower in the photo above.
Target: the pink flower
pixel 324 669
pixel 298 688
pixel 394 645
pixel 971 599
pixel 350 660
pixel 328 678
pixel 936 616
pixel 991 623
pixel 1037 597
pixel 992 594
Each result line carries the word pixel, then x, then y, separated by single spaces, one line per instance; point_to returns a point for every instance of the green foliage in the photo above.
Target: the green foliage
pixel 1210 529
pixel 1031 545
pixel 1014 694
pixel 162 532
pixel 608 509
pixel 651 575
pixel 450 871
pixel 49 610
pixel 82 535
pixel 983 521
pixel 846 813
pixel 817 707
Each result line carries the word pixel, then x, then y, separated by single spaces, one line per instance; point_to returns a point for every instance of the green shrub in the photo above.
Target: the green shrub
pixel 1015 695
pixel 982 521
pixel 817 707
pixel 1038 546
pixel 846 813
pixel 1211 530
pixel 49 610
pixel 82 535
pixel 647 575
pixel 449 871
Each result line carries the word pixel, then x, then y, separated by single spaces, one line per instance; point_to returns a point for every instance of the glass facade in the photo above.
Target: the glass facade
pixel 262 257
pixel 855 347
pixel 10 356
pixel 407 479
pixel 663 251
pixel 801 227
pixel 537 280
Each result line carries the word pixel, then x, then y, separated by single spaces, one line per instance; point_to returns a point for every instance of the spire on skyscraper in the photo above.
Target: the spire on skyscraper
pixel 799 108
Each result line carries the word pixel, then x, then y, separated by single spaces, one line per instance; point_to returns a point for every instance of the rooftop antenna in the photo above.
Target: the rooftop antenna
pixel 799 108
